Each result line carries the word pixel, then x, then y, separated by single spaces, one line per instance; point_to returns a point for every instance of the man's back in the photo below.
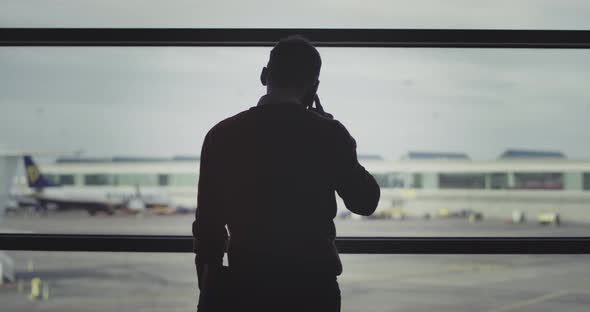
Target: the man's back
pixel 277 166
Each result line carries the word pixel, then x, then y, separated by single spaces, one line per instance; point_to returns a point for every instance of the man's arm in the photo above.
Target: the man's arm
pixel 354 184
pixel 209 230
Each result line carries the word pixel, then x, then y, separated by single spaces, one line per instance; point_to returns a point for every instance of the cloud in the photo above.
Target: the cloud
pixel 161 101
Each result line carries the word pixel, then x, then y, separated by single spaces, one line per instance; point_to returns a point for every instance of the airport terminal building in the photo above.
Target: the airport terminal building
pixel 419 184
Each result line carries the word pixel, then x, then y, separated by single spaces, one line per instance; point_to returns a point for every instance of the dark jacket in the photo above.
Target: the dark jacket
pixel 270 174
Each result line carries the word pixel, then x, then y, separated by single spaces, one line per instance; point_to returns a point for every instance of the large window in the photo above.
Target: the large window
pixel 158 102
pixel 155 103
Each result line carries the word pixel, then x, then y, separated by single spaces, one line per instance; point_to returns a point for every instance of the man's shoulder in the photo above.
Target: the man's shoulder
pixel 230 122
pixel 328 126
pixel 329 123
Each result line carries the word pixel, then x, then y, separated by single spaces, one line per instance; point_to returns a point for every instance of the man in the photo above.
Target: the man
pixel 270 175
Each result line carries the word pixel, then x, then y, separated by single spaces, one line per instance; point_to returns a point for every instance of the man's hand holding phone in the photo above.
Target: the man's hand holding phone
pixel 319 108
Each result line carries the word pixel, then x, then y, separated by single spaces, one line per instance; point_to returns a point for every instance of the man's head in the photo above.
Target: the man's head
pixel 293 69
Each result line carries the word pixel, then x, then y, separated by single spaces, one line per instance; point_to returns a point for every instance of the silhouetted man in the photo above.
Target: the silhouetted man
pixel 270 175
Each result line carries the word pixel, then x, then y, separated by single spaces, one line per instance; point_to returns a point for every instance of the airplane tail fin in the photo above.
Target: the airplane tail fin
pixel 35 179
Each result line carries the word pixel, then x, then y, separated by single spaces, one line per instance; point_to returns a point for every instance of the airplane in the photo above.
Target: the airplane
pixel 51 195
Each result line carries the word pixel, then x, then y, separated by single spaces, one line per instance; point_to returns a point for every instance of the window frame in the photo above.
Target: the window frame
pixel 407 38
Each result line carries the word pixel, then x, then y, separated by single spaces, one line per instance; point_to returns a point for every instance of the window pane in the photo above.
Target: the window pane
pixel 461 181
pixel 499 181
pixel 53 178
pixel 163 179
pixel 474 142
pixel 504 14
pixel 586 181
pixel 373 283
pixel 388 180
pixel 538 180
pixel 66 179
pixel 137 179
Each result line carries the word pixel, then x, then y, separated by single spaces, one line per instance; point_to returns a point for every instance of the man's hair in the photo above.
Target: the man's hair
pixel 294 62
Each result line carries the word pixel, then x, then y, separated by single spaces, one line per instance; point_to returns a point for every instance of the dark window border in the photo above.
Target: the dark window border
pixel 346 245
pixel 419 38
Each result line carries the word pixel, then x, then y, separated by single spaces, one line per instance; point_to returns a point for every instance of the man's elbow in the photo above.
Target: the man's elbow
pixel 369 209
pixel 367 205
pixel 365 213
pixel 364 210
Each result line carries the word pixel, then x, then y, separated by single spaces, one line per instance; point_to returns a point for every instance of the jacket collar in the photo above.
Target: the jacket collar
pixel 273 100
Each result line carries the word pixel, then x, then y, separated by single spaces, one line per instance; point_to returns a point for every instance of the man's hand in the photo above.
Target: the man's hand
pixel 319 108
pixel 213 288
pixel 213 278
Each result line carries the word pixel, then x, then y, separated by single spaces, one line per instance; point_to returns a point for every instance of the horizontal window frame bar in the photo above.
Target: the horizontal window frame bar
pixel 258 37
pixel 345 245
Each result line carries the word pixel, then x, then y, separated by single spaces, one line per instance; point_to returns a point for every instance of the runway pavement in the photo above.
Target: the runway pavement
pixel 167 282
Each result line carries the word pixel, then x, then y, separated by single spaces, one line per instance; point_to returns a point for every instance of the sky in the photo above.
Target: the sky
pixel 161 101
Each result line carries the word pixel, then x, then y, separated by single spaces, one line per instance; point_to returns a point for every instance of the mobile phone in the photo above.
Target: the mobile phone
pixel 318 104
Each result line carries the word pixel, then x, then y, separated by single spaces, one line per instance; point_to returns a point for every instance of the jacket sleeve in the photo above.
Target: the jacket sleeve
pixel 209 232
pixel 357 187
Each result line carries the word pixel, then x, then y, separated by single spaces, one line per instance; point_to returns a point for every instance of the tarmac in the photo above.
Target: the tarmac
pixel 167 282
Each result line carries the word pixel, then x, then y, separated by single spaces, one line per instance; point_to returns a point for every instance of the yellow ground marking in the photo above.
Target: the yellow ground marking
pixel 524 303
pixel 45 291
pixel 35 288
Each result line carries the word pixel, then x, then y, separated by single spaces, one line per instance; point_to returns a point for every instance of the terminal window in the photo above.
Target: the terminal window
pixel 184 179
pixel 96 179
pixel 61 179
pixel 163 179
pixel 546 181
pixel 461 181
pixel 498 181
pixel 136 180
pixel 388 180
pixel 417 180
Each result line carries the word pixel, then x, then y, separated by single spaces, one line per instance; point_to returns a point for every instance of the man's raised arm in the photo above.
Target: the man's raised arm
pixel 354 184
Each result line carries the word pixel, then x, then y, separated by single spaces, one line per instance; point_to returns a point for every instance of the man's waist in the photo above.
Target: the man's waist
pixel 313 260
pixel 292 247
pixel 294 271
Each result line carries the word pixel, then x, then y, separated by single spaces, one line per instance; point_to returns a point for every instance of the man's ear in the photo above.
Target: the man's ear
pixel 314 88
pixel 264 76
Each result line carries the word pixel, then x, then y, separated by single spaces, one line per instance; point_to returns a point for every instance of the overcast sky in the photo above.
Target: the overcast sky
pixel 161 101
